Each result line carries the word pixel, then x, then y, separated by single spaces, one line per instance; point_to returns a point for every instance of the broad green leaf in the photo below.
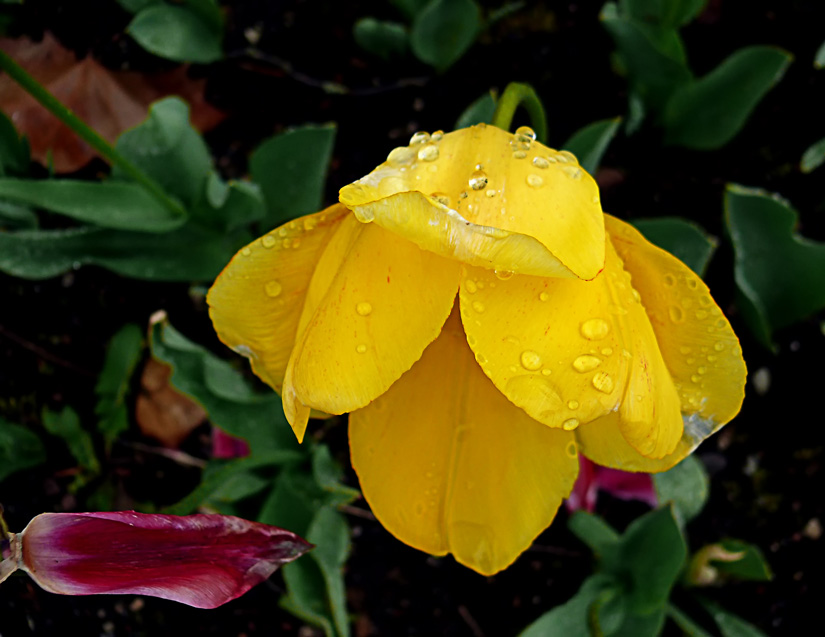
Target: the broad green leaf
pixel 122 355
pixel 444 30
pixel 228 206
pixel 589 144
pixel 684 239
pixel 653 57
pixel 710 111
pixel 13 216
pixel 752 566
pixel 176 33
pixel 187 254
pixel 111 204
pixel 642 625
pixel 169 149
pixel 65 424
pixel 20 448
pixel 291 169
pixel 14 150
pixel 819 58
pixel 609 612
pixel 593 531
pixel 779 273
pixel 571 618
pixel 666 13
pixel 385 39
pixel 479 112
pixel 689 627
pixel 730 625
pixel 687 486
pixel 813 157
pixel 261 423
pixel 330 534
pixel 306 595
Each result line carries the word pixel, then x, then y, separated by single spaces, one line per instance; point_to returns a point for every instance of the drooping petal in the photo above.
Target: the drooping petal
pixel 569 351
pixel 375 302
pixel 199 560
pixel 256 302
pixel 490 199
pixel 448 464
pixel 697 343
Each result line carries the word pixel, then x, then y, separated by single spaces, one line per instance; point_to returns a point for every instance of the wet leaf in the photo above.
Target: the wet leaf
pixel 291 169
pixel 479 112
pixel 710 111
pixel 813 157
pixel 385 39
pixel 122 355
pixel 780 275
pixel 179 33
pixel 684 239
pixel 444 30
pixel 20 448
pixel 687 486
pixel 589 144
pixel 14 216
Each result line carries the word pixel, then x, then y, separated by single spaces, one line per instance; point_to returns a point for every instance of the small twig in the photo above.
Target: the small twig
pixel 22 342
pixel 356 512
pixel 181 457
pixel 470 621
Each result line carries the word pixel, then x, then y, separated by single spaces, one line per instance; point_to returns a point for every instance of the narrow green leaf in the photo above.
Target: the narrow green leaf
pixel 813 157
pixel 306 594
pixel 689 627
pixel 751 566
pixel 589 144
pixel 329 475
pixel 687 486
pixel 730 625
pixel 169 149
pixel 570 618
pixel 684 239
pixel 330 534
pixel 20 448
pixel 781 274
pixel 710 111
pixel 14 150
pixel 111 204
pixel 479 112
pixel 291 169
pixel 65 424
pixel 385 39
pixel 176 33
pixel 13 216
pixel 122 356
pixel 444 31
pixel 593 531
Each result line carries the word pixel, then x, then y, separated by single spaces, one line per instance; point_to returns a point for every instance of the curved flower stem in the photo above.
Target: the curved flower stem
pixel 515 95
pixel 86 133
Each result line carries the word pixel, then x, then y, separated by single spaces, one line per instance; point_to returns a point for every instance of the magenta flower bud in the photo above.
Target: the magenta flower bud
pixel 199 560
pixel 625 485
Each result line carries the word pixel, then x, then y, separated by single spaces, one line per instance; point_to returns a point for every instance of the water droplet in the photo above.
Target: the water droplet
pixel 701 314
pixel 268 241
pixel 607 351
pixel 534 181
pixel 481 359
pixel 603 382
pixel 428 153
pixel 571 449
pixel 470 286
pixel 541 162
pixel 441 198
pixel 364 214
pixel 296 243
pixel 595 329
pixel 705 301
pixel 419 138
pixel 670 280
pixel 273 288
pixel 702 370
pixel 246 251
pixel 695 378
pixel 437 136
pixel 565 156
pixel 692 283
pixel 491 193
pixel 676 314
pixel 570 424
pixel 309 224
pixel 478 306
pixel 504 274
pixel 530 360
pixel 546 372
pixel 684 350
pixel 636 296
pixel 586 363
pixel 478 180
pixel 525 134
pixel 283 232
pixel 361 348
pixel 574 172
pixel 400 156
pixel 286 243
pixel 364 308
pixel 573 404
pixel 543 296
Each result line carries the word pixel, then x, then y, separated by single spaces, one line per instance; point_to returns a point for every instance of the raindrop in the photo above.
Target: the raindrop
pixel 286 243
pixel 573 172
pixel 525 134
pixel 470 286
pixel 283 232
pixel 541 162
pixel 273 288
pixel 478 306
pixel 595 329
pixel 364 308
pixel 419 138
pixel 437 136
pixel 481 359
pixel 543 296
pixel 309 224
pixel 670 280
pixel 573 404
pixel 361 348
pixel 441 198
pixel 566 157
pixel 546 372
pixel 603 382
pixel 504 274
pixel 491 193
pixel 676 314
pixel 478 180
pixel 428 153
pixel 296 243
pixel 401 155
pixel 571 450
pixel 695 378
pixel 519 154
pixel 534 181
pixel 701 314
pixel 363 214
pixel 702 370
pixel 530 360
pixel 570 424
pixel 607 351
pixel 268 241
pixel 246 251
pixel 586 363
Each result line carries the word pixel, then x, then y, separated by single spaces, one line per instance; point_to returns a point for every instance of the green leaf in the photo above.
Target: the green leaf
pixel 328 475
pixel 752 566
pixel 385 39
pixel 227 207
pixel 410 8
pixel 608 613
pixel 709 112
pixel 730 625
pixel 169 149
pixel 330 534
pixel 260 422
pixel 689 627
pixel 666 13
pixel 177 33
pixel 780 274
pixel 20 448
pixel 593 531
pixel 479 112
pixel 444 30
pixel 684 239
pixel 111 204
pixel 589 144
pixel 291 169
pixel 238 486
pixel 187 254
pixel 13 216
pixel 66 425
pixel 642 625
pixel 133 6
pixel 122 356
pixel 819 58
pixel 14 150
pixel 687 486
pixel 571 618
pixel 306 595
pixel 813 157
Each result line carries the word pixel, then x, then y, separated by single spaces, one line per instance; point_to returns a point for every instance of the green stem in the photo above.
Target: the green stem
pixel 82 130
pixel 516 95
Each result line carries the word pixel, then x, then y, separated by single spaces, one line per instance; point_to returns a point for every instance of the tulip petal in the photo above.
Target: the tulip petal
pixel 568 352
pixel 483 197
pixel 199 560
pixel 256 302
pixel 374 304
pixel 696 340
pixel 465 472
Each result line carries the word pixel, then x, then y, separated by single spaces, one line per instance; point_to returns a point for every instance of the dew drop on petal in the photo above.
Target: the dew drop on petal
pixel 268 241
pixel 364 308
pixel 525 134
pixel 541 162
pixel 478 306
pixel 670 280
pixel 478 180
pixel 470 286
pixel 481 359
pixel 504 275
pixel 571 450
pixel 309 224
pixel 400 156
pixel 543 296
pixel 677 315
pixel 603 382
pixel 246 251
pixel 586 363
pixel 530 360
pixel 595 329
pixel 574 172
pixel 573 404
pixel 273 289
pixel 534 181
pixel 491 193
pixel 719 346
pixel 419 138
pixel 570 424
pixel 361 348
pixel 364 214
pixel 428 153
pixel 441 198
pixel 437 136
pixel 296 243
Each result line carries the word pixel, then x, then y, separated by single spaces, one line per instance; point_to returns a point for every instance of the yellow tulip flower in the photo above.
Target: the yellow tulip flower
pixel 482 321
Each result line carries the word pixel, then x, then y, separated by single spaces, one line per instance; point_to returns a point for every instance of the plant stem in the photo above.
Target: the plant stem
pixel 86 133
pixel 515 95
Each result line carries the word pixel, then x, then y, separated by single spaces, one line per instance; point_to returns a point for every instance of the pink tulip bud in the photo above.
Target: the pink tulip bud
pixel 199 560
pixel 620 484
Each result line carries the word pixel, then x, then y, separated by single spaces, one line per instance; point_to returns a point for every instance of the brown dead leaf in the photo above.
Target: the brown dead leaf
pixel 108 101
pixel 161 411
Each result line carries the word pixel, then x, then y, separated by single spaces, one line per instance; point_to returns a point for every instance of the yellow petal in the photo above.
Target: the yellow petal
pixel 449 465
pixel 569 351
pixel 374 304
pixel 697 342
pixel 256 302
pixel 481 196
